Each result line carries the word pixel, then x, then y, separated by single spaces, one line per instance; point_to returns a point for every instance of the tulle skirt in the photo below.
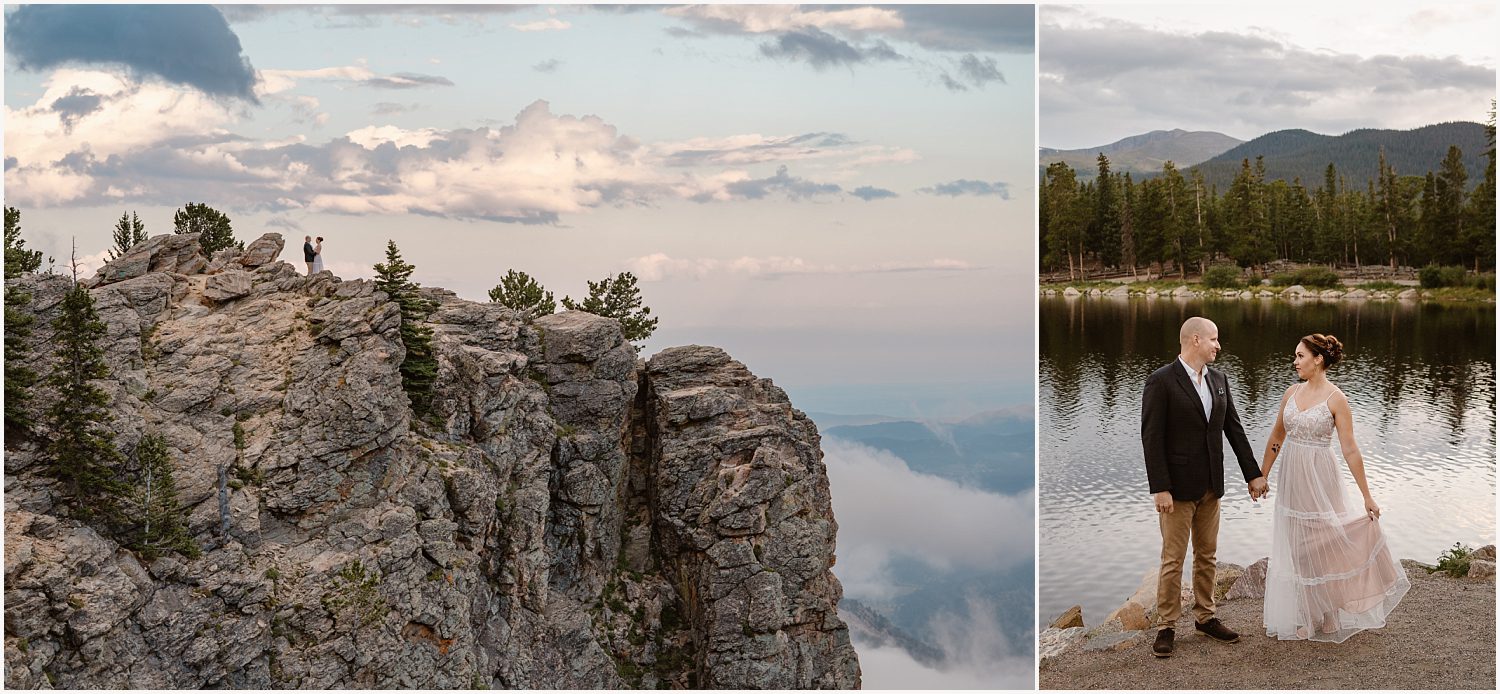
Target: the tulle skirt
pixel 1330 574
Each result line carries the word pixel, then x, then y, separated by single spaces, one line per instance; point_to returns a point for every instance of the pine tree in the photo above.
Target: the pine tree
pixel 216 231
pixel 129 231
pixel 1067 217
pixel 19 260
pixel 1150 223
pixel 19 378
pixel 618 297
pixel 81 453
pixel 522 292
pixel 1177 230
pixel 153 508
pixel 419 368
pixel 1451 180
pixel 1480 228
pixel 1127 224
pixel 1105 226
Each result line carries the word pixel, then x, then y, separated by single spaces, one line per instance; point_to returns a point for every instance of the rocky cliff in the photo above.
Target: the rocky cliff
pixel 573 517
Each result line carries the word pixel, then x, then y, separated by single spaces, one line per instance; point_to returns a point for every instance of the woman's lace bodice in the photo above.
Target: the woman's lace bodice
pixel 1313 426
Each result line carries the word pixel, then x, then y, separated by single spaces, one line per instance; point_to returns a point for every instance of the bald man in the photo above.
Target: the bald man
pixel 1186 413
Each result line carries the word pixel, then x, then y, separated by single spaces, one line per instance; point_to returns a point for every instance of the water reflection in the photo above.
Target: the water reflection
pixel 1421 380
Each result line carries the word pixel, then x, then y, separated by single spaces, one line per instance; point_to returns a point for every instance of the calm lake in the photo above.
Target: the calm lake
pixel 1420 378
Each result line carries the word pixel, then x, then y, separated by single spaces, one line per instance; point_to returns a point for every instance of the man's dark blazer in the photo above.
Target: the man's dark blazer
pixel 1184 450
pixel 308 254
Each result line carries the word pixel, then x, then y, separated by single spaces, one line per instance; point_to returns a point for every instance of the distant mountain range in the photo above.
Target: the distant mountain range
pixel 992 451
pixel 869 628
pixel 1143 154
pixel 1291 154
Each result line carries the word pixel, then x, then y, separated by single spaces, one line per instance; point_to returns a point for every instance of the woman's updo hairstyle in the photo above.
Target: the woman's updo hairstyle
pixel 1326 346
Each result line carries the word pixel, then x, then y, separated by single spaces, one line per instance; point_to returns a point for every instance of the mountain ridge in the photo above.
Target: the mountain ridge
pixel 1296 153
pixel 1143 153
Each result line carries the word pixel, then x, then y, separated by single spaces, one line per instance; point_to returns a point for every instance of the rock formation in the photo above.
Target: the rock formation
pixel 572 516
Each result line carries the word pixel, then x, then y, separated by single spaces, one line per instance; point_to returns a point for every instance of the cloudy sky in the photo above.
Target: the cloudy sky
pixel 1245 69
pixel 837 195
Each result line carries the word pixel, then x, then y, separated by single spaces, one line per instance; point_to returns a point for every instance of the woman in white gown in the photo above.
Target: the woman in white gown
pixel 1331 574
pixel 318 256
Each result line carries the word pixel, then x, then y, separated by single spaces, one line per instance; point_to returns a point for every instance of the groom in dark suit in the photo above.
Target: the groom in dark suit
pixel 1186 414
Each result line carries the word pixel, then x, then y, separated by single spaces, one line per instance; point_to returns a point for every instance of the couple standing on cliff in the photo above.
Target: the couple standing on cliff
pixel 313 254
pixel 1330 573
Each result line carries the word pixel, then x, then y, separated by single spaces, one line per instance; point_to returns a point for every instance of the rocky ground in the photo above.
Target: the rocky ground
pixel 1441 636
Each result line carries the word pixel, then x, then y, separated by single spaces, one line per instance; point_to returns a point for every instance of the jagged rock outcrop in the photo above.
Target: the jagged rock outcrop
pixel 571 517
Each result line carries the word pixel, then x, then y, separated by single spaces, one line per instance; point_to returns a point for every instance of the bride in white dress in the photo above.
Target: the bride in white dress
pixel 318 256
pixel 1330 574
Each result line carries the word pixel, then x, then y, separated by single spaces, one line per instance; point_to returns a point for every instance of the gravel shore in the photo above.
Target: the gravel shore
pixel 1441 636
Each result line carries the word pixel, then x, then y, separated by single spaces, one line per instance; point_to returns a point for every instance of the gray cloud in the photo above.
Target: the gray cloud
pixel 407 80
pixel 868 193
pixel 78 103
pixel 1107 79
pixel 964 186
pixel 975 71
pixel 549 65
pixel 999 28
pixel 388 108
pixel 980 71
pixel 791 186
pixel 767 149
pixel 368 15
pixel 283 222
pixel 821 49
pixel 190 45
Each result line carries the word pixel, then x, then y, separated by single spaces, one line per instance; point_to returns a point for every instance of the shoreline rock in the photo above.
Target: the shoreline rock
pixel 1296 293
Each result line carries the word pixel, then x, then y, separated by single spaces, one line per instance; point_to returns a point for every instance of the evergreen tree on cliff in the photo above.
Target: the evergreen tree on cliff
pixel 213 225
pixel 153 504
pixel 81 450
pixel 618 297
pixel 419 369
pixel 522 292
pixel 18 378
pixel 129 231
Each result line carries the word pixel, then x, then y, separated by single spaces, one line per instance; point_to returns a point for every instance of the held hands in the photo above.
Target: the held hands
pixel 1259 488
pixel 1372 508
pixel 1163 501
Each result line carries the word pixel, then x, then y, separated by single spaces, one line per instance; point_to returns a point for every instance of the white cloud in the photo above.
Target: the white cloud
pixel 660 266
pixel 277 81
pixel 163 146
pixel 51 153
pixel 373 136
pixel 89 264
pixel 976 651
pixel 760 19
pixel 887 511
pixel 550 24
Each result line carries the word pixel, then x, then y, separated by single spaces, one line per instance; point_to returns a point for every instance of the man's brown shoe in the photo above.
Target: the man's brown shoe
pixel 1163 646
pixel 1215 629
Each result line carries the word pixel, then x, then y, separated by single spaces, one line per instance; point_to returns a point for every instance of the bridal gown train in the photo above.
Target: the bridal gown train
pixel 1331 574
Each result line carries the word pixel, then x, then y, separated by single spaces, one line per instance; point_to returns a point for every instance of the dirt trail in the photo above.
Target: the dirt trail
pixel 1441 636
